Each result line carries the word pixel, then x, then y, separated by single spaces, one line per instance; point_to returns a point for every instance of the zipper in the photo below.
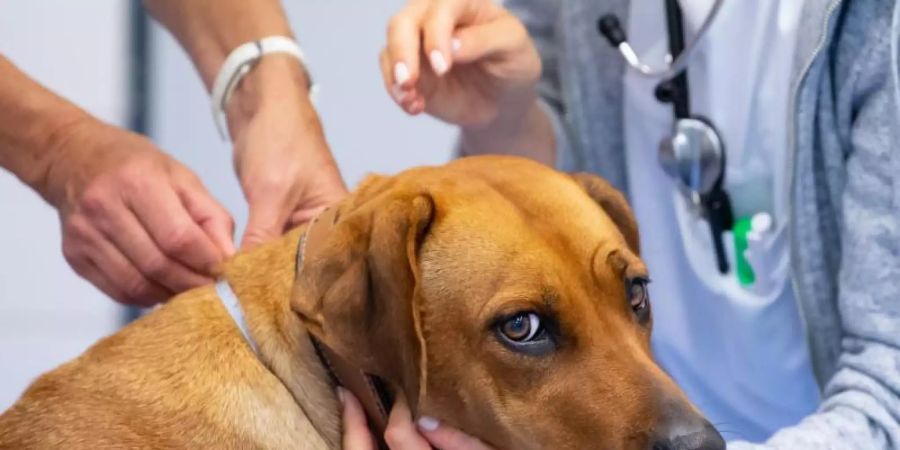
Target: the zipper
pixel 791 163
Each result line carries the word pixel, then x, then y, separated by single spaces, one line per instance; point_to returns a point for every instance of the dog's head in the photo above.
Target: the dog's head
pixel 503 297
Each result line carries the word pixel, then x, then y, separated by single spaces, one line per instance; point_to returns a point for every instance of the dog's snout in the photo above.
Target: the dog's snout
pixel 689 435
pixel 681 427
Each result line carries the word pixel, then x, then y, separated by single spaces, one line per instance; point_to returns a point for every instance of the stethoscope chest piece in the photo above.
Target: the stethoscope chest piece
pixel 693 155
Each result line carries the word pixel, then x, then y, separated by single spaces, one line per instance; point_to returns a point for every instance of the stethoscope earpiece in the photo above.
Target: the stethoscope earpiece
pixel 608 25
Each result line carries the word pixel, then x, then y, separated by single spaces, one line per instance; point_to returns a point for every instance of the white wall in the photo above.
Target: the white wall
pixel 47 314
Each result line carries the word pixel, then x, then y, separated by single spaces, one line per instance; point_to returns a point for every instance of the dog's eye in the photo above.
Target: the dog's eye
pixel 522 327
pixel 525 333
pixel 637 295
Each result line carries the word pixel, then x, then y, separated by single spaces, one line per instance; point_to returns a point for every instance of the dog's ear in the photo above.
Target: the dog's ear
pixel 357 285
pixel 614 204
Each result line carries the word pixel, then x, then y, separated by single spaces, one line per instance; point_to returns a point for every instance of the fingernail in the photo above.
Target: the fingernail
pixel 397 93
pixel 401 73
pixel 428 423
pixel 438 63
pixel 418 107
pixel 341 396
pixel 455 44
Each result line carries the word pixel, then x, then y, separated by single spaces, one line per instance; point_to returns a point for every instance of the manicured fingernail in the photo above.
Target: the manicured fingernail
pixel 438 63
pixel 401 73
pixel 428 423
pixel 418 106
pixel 397 93
pixel 341 396
pixel 455 44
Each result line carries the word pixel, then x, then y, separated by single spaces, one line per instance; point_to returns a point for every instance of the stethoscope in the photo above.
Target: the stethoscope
pixel 694 155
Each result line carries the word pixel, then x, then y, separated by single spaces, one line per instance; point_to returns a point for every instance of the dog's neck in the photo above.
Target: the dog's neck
pixel 262 280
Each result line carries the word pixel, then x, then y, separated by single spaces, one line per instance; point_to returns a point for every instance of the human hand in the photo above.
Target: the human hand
pixel 482 66
pixel 283 163
pixel 136 223
pixel 401 433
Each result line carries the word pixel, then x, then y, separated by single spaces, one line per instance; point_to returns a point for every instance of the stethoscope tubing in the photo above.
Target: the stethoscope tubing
pixel 678 64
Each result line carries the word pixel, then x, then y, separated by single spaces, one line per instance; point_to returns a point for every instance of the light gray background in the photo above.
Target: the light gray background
pixel 79 49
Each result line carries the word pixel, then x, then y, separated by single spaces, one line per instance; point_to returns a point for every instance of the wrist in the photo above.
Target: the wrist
pixel 521 128
pixel 511 117
pixel 67 150
pixel 512 110
pixel 275 81
pixel 44 172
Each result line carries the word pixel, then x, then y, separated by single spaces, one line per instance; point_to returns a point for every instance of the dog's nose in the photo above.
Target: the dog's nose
pixel 689 435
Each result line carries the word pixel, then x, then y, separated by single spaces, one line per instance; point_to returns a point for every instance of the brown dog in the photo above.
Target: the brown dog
pixel 499 295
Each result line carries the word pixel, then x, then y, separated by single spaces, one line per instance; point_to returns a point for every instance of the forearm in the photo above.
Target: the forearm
pixel 210 29
pixel 33 124
pixel 858 410
pixel 524 130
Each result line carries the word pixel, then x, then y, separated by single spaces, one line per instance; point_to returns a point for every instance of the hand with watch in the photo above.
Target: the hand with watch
pixel 283 163
pixel 280 155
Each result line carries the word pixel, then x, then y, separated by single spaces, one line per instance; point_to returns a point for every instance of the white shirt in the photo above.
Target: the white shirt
pixel 739 353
